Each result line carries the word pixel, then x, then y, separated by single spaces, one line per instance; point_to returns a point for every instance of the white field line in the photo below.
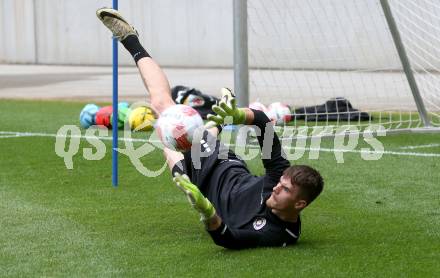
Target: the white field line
pixel 419 147
pixel 12 134
pixel 9 136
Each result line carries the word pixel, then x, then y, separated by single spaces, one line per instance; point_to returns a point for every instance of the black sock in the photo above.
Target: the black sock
pixel 132 44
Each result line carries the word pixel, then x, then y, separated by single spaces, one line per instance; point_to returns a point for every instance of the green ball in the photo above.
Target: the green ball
pixel 123 113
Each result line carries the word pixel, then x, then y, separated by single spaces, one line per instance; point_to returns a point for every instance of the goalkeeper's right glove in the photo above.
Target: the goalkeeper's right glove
pixel 227 107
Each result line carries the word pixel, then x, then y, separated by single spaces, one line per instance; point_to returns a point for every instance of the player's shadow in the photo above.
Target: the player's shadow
pixel 302 245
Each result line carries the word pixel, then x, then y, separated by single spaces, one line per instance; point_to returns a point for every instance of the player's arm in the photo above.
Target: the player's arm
pixel 221 234
pixel 199 202
pixel 195 197
pixel 272 152
pixel 228 113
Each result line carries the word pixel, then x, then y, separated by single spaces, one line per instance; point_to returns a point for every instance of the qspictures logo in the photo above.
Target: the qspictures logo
pixel 295 142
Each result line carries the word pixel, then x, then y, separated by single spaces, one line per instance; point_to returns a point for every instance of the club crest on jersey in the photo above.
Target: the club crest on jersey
pixel 259 223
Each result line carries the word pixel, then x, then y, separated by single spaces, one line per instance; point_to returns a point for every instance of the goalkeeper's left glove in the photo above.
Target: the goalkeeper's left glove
pixel 195 197
pixel 227 107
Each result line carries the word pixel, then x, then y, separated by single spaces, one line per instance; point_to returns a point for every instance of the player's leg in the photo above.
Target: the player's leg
pixel 172 158
pixel 156 83
pixel 158 86
pixel 152 75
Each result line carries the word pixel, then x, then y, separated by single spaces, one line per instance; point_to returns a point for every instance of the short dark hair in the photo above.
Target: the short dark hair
pixel 307 179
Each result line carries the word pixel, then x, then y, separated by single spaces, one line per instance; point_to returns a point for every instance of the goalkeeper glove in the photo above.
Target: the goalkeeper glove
pixel 227 107
pixel 195 197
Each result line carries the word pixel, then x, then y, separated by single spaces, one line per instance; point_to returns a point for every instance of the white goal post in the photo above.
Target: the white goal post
pixel 383 56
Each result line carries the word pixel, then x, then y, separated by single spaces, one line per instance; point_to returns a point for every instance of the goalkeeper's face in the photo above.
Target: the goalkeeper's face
pixel 286 197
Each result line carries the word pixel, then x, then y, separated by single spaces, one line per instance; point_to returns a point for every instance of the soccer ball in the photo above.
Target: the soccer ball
pixel 102 117
pixel 87 115
pixel 258 106
pixel 123 104
pixel 176 126
pixel 123 112
pixel 279 113
pixel 141 119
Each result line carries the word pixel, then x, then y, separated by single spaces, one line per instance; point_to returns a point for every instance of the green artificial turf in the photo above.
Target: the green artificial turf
pixel 374 219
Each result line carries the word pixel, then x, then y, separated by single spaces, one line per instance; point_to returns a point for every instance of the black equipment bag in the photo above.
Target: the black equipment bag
pixel 202 103
pixel 332 110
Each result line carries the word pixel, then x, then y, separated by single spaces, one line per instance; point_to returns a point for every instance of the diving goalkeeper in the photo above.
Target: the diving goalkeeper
pixel 239 210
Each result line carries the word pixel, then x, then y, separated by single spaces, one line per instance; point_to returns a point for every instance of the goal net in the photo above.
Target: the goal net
pixel 307 52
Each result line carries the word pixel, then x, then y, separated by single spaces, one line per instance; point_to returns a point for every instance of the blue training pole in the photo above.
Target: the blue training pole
pixel 115 109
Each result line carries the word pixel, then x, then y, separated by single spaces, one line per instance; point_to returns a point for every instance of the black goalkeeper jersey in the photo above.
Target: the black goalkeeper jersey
pixel 240 197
